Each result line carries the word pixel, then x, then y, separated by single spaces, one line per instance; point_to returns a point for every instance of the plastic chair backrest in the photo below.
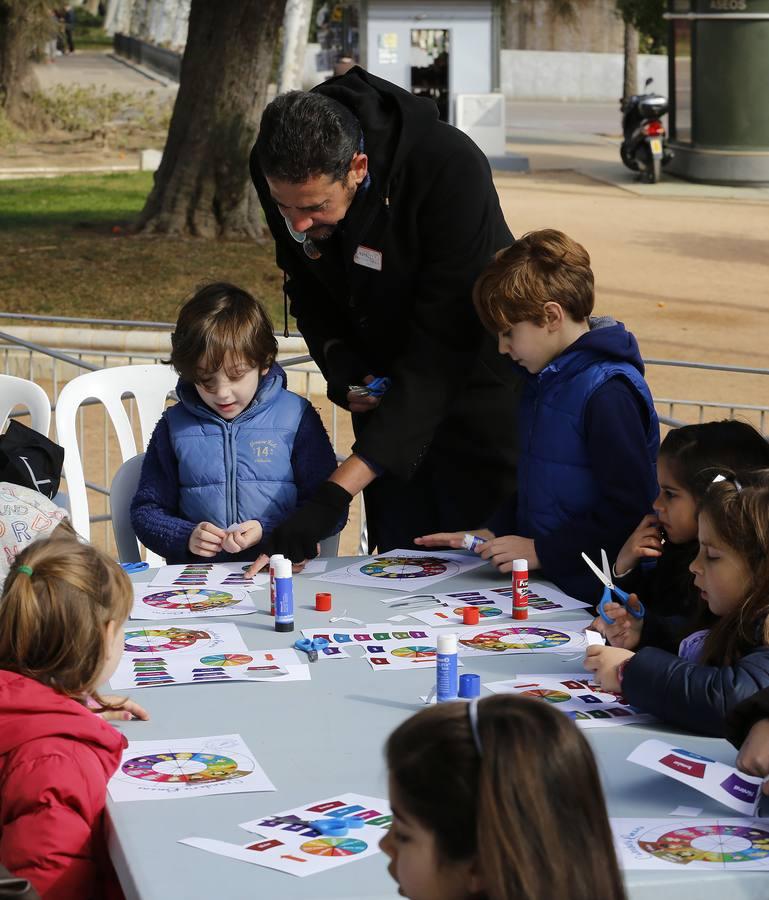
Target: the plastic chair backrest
pixel 121 493
pixel 20 392
pixel 330 546
pixel 150 385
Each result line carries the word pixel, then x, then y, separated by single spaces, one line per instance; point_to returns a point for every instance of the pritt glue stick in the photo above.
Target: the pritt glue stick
pixel 520 589
pixel 273 563
pixel 446 668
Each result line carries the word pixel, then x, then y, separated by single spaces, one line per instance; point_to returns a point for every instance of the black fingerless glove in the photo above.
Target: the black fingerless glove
pixel 297 537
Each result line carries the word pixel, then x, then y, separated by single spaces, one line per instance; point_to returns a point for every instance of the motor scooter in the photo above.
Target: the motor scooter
pixel 644 142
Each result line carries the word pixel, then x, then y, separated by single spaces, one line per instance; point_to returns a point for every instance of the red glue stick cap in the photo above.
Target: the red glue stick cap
pixel 470 615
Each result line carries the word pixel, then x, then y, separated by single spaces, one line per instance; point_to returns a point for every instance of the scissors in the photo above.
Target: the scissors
pixel 375 388
pixel 330 827
pixel 135 566
pixel 311 647
pixel 610 589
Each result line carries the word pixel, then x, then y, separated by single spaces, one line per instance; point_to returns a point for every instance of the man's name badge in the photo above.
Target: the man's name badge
pixel 371 259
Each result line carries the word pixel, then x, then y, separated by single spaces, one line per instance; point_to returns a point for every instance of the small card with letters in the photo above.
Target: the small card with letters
pixel 368 257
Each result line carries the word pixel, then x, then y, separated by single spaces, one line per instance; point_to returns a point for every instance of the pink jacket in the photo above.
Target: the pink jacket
pixel 56 757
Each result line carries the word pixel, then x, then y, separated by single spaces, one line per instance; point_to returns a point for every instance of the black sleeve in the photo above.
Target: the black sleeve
pixel 745 715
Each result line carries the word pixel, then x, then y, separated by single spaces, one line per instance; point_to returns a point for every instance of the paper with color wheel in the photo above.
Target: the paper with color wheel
pixel 189 603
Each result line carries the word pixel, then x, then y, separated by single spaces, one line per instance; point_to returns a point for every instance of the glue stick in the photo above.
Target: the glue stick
pixel 273 561
pixel 520 589
pixel 471 541
pixel 447 668
pixel 284 596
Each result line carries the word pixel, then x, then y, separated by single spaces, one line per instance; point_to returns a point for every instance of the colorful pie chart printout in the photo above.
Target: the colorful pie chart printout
pixel 289 845
pixel 550 637
pixel 209 575
pixel 724 783
pixel 709 844
pixel 169 770
pixel 494 603
pixel 224 663
pixel 577 697
pixel 413 571
pixel 189 602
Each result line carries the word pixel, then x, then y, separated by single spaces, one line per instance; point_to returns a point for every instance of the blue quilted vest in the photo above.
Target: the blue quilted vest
pixel 555 479
pixel 231 471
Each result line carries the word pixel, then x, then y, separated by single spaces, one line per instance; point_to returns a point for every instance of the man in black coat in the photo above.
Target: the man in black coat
pixel 383 217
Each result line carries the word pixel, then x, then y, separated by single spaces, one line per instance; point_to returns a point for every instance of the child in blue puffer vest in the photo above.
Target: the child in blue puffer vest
pixel 587 430
pixel 238 453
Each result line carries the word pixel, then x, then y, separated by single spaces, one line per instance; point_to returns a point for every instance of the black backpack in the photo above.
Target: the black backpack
pixel 30 459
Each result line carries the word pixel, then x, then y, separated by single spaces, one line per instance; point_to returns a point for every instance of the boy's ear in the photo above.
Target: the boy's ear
pixel 554 315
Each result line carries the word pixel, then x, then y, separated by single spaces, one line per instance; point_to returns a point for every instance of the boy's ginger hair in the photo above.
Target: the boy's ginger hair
pixel 541 267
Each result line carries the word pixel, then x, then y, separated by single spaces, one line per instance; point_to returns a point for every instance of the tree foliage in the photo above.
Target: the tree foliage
pixel 646 16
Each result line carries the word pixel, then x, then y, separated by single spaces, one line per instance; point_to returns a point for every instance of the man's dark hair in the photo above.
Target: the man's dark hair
pixel 306 134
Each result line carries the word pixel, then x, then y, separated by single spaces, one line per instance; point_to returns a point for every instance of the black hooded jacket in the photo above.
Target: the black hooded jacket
pixel 433 213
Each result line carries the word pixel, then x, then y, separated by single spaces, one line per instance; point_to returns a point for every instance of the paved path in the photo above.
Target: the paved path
pixel 100 70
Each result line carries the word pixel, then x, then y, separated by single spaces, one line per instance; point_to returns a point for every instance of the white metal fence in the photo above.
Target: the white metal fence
pixel 54 367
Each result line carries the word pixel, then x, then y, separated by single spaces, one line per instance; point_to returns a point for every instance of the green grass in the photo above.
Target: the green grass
pixel 66 249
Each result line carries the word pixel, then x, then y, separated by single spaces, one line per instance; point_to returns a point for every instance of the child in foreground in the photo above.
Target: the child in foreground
pixel 654 562
pixel 587 430
pixel 238 453
pixel 715 669
pixel 480 812
pixel 61 635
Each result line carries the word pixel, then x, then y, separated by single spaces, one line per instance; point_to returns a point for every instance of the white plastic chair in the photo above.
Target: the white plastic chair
pixel 20 392
pixel 121 493
pixel 150 385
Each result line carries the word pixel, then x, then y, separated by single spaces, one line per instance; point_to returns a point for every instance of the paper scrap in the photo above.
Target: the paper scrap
pixel 714 779
pixel 686 811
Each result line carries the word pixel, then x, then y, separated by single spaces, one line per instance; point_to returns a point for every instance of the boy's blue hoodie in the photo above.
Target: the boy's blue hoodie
pixel 588 441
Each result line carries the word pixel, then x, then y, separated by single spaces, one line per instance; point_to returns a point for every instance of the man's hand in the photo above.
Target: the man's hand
pixel 242 536
pixel 753 758
pixel 297 538
pixel 604 662
pixel 206 539
pixel 358 404
pixel 625 631
pixel 503 550
pixel 644 541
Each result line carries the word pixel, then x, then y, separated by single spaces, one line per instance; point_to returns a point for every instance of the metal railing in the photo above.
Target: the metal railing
pixel 53 368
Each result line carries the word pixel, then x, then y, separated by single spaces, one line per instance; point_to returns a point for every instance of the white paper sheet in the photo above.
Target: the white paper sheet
pixel 228 574
pixel 739 792
pixel 403 570
pixel 187 767
pixel 220 665
pixel 314 567
pixel 298 849
pixel 494 603
pixel 575 695
pixel 189 603
pixel 710 845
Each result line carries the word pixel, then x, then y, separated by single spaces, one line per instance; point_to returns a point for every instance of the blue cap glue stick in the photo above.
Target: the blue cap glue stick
pixel 447 668
pixel 284 596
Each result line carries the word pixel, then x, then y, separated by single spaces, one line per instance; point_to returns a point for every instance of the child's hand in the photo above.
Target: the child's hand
pixel 604 662
pixel 503 550
pixel 128 709
pixel 206 539
pixel 358 404
pixel 242 536
pixel 625 631
pixel 753 758
pixel 644 541
pixel 450 538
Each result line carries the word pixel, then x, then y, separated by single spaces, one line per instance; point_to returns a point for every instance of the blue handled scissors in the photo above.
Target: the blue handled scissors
pixel 135 566
pixel 611 591
pixel 311 646
pixel 375 388
pixel 329 827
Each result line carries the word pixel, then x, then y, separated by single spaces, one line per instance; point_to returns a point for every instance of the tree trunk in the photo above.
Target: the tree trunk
pixel 20 21
pixel 630 82
pixel 92 6
pixel 203 187
pixel 296 29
